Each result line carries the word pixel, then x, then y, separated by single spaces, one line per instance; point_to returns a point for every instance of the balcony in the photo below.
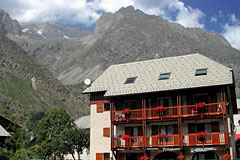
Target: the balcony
pixel 209 109
pixel 170 112
pixel 176 140
pixel 171 141
pixel 130 143
pixel 211 139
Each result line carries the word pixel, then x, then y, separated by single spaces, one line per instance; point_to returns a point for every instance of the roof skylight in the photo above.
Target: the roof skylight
pixel 200 72
pixel 130 80
pixel 164 76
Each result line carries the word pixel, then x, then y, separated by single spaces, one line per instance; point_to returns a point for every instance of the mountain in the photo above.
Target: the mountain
pixel 7 25
pixel 125 36
pixel 51 31
pixel 26 87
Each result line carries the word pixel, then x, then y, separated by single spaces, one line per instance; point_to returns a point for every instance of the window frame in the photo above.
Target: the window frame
pixel 104 107
pixel 201 73
pixel 131 79
pixel 164 74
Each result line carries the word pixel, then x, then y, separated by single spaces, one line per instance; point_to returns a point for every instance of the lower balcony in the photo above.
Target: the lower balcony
pixel 176 140
pixel 211 139
pixel 129 143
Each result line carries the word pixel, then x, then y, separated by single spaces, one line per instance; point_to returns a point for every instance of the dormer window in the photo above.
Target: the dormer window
pixel 200 72
pixel 164 76
pixel 130 80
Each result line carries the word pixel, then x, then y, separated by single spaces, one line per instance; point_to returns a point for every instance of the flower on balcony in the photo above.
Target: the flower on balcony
pixel 202 135
pixel 144 158
pixel 126 111
pixel 160 136
pixel 200 105
pixel 227 156
pixel 180 157
pixel 159 108
pixel 126 137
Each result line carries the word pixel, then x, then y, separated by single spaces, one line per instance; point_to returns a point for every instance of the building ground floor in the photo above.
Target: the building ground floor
pixel 196 153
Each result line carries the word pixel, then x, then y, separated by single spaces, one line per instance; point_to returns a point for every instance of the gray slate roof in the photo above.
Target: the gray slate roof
pixel 3 132
pixel 83 122
pixel 182 76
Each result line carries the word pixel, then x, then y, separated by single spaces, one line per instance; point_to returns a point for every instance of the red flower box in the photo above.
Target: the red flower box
pixel 227 156
pixel 200 105
pixel 181 157
pixel 162 136
pixel 126 111
pixel 144 158
pixel 159 108
pixel 126 137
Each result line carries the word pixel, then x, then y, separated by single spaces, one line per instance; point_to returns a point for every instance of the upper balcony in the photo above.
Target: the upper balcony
pixel 211 109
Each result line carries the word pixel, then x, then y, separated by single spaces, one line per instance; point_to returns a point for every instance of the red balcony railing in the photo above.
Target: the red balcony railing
pixel 171 141
pixel 134 115
pixel 170 112
pixel 209 109
pixel 175 140
pixel 132 142
pixel 211 139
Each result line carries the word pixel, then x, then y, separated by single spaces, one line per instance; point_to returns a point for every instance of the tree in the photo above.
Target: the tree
pixel 50 131
pixel 76 140
pixel 31 123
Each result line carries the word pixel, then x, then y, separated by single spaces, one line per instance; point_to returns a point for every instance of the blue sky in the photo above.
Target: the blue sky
pixel 221 16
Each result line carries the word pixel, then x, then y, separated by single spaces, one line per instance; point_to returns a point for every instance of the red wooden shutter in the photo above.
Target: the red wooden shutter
pixel 106 132
pixel 154 138
pixel 99 108
pixel 99 156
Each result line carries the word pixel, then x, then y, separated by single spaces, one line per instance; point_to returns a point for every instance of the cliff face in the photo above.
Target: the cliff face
pixel 7 25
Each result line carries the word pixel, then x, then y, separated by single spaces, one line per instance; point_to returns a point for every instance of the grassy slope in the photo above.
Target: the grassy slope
pixel 18 99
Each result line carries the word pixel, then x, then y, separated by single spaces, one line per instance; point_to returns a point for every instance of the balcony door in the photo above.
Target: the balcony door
pixel 201 98
pixel 136 133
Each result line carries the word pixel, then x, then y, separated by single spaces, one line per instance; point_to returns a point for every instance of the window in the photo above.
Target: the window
pixel 134 104
pixel 106 106
pixel 130 80
pixel 106 156
pixel 164 76
pixel 166 102
pixel 200 72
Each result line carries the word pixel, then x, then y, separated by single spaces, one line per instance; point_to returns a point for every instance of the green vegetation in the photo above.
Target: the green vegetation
pixel 21 99
pixel 57 136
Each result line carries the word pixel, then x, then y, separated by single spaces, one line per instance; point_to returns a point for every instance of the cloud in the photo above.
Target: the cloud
pixel 67 12
pixel 213 19
pixel 188 16
pixel 234 18
pixel 87 12
pixel 232 31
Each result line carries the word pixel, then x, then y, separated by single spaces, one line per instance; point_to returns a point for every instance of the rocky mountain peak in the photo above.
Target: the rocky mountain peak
pixel 7 25
pixel 129 10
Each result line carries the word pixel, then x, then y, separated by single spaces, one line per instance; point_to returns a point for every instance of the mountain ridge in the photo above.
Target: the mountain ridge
pixel 127 35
